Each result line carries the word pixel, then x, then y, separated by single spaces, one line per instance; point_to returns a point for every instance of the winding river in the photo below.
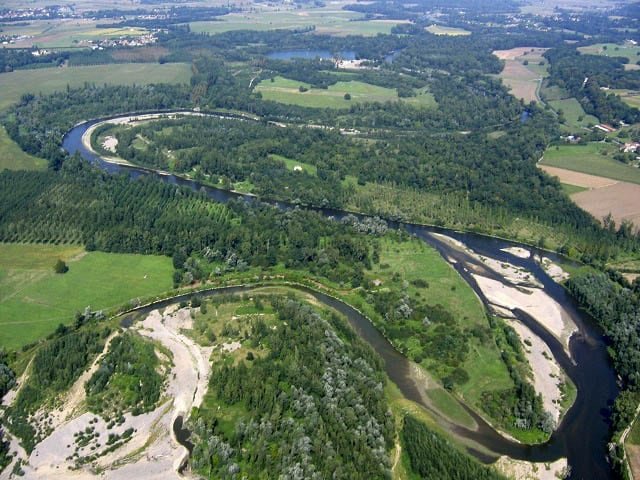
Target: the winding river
pixel 583 433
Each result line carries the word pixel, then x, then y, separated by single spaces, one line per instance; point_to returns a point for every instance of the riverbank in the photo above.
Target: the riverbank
pixel 593 458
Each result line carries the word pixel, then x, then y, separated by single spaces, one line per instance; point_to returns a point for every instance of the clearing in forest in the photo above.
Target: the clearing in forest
pixel 630 52
pixel 451 31
pixel 12 157
pixel 293 92
pixel 524 69
pixel 630 97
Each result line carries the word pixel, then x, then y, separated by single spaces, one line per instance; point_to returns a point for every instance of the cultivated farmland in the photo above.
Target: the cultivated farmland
pixel 523 71
pixel 593 159
pixel 325 21
pixel 65 34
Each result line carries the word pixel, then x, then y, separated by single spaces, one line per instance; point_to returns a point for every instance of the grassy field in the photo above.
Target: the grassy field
pixel 630 97
pixel 34 299
pixel 590 159
pixel 571 189
pixel 65 34
pixel 630 52
pixel 442 30
pixel 573 113
pixel 291 164
pixel 48 80
pixel 13 158
pixel 415 260
pixel 326 21
pixel 287 91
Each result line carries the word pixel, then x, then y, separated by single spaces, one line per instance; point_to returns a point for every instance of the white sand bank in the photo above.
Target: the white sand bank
pixel 533 301
pixel 517 251
pixel 547 374
pixel 552 269
pixel 152 451
pixel 521 470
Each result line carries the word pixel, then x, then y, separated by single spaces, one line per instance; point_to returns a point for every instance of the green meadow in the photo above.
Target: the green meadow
pixel 573 113
pixel 630 52
pixel 48 80
pixel 34 300
pixel 12 157
pixel 414 260
pixel 284 90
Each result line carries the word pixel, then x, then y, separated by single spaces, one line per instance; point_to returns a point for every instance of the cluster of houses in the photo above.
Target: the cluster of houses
pixel 36 13
pixel 123 41
pixel 631 147
pixel 11 39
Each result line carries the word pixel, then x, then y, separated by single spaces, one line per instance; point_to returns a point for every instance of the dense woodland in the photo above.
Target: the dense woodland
pixel 497 173
pixel 83 205
pixel 431 455
pixel 313 407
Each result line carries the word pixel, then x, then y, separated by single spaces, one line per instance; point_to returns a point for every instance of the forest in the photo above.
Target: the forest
pixel 127 379
pixel 313 407
pixel 80 204
pixel 432 456
pixel 498 173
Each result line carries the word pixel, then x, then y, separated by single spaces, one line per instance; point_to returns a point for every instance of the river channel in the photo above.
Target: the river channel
pixel 584 430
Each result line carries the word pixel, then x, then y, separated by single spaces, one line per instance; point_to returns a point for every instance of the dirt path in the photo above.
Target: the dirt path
pixel 11 395
pixel 398 448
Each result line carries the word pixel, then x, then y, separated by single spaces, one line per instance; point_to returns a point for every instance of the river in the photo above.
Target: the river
pixel 584 431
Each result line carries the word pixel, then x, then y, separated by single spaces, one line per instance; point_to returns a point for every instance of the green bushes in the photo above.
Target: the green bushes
pixel 127 378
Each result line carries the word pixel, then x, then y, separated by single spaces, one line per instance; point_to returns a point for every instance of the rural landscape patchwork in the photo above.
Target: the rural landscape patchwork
pixel 320 239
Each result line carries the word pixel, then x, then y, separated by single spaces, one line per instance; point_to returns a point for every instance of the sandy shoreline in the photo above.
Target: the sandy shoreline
pixel 545 370
pixel 521 470
pixel 534 301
